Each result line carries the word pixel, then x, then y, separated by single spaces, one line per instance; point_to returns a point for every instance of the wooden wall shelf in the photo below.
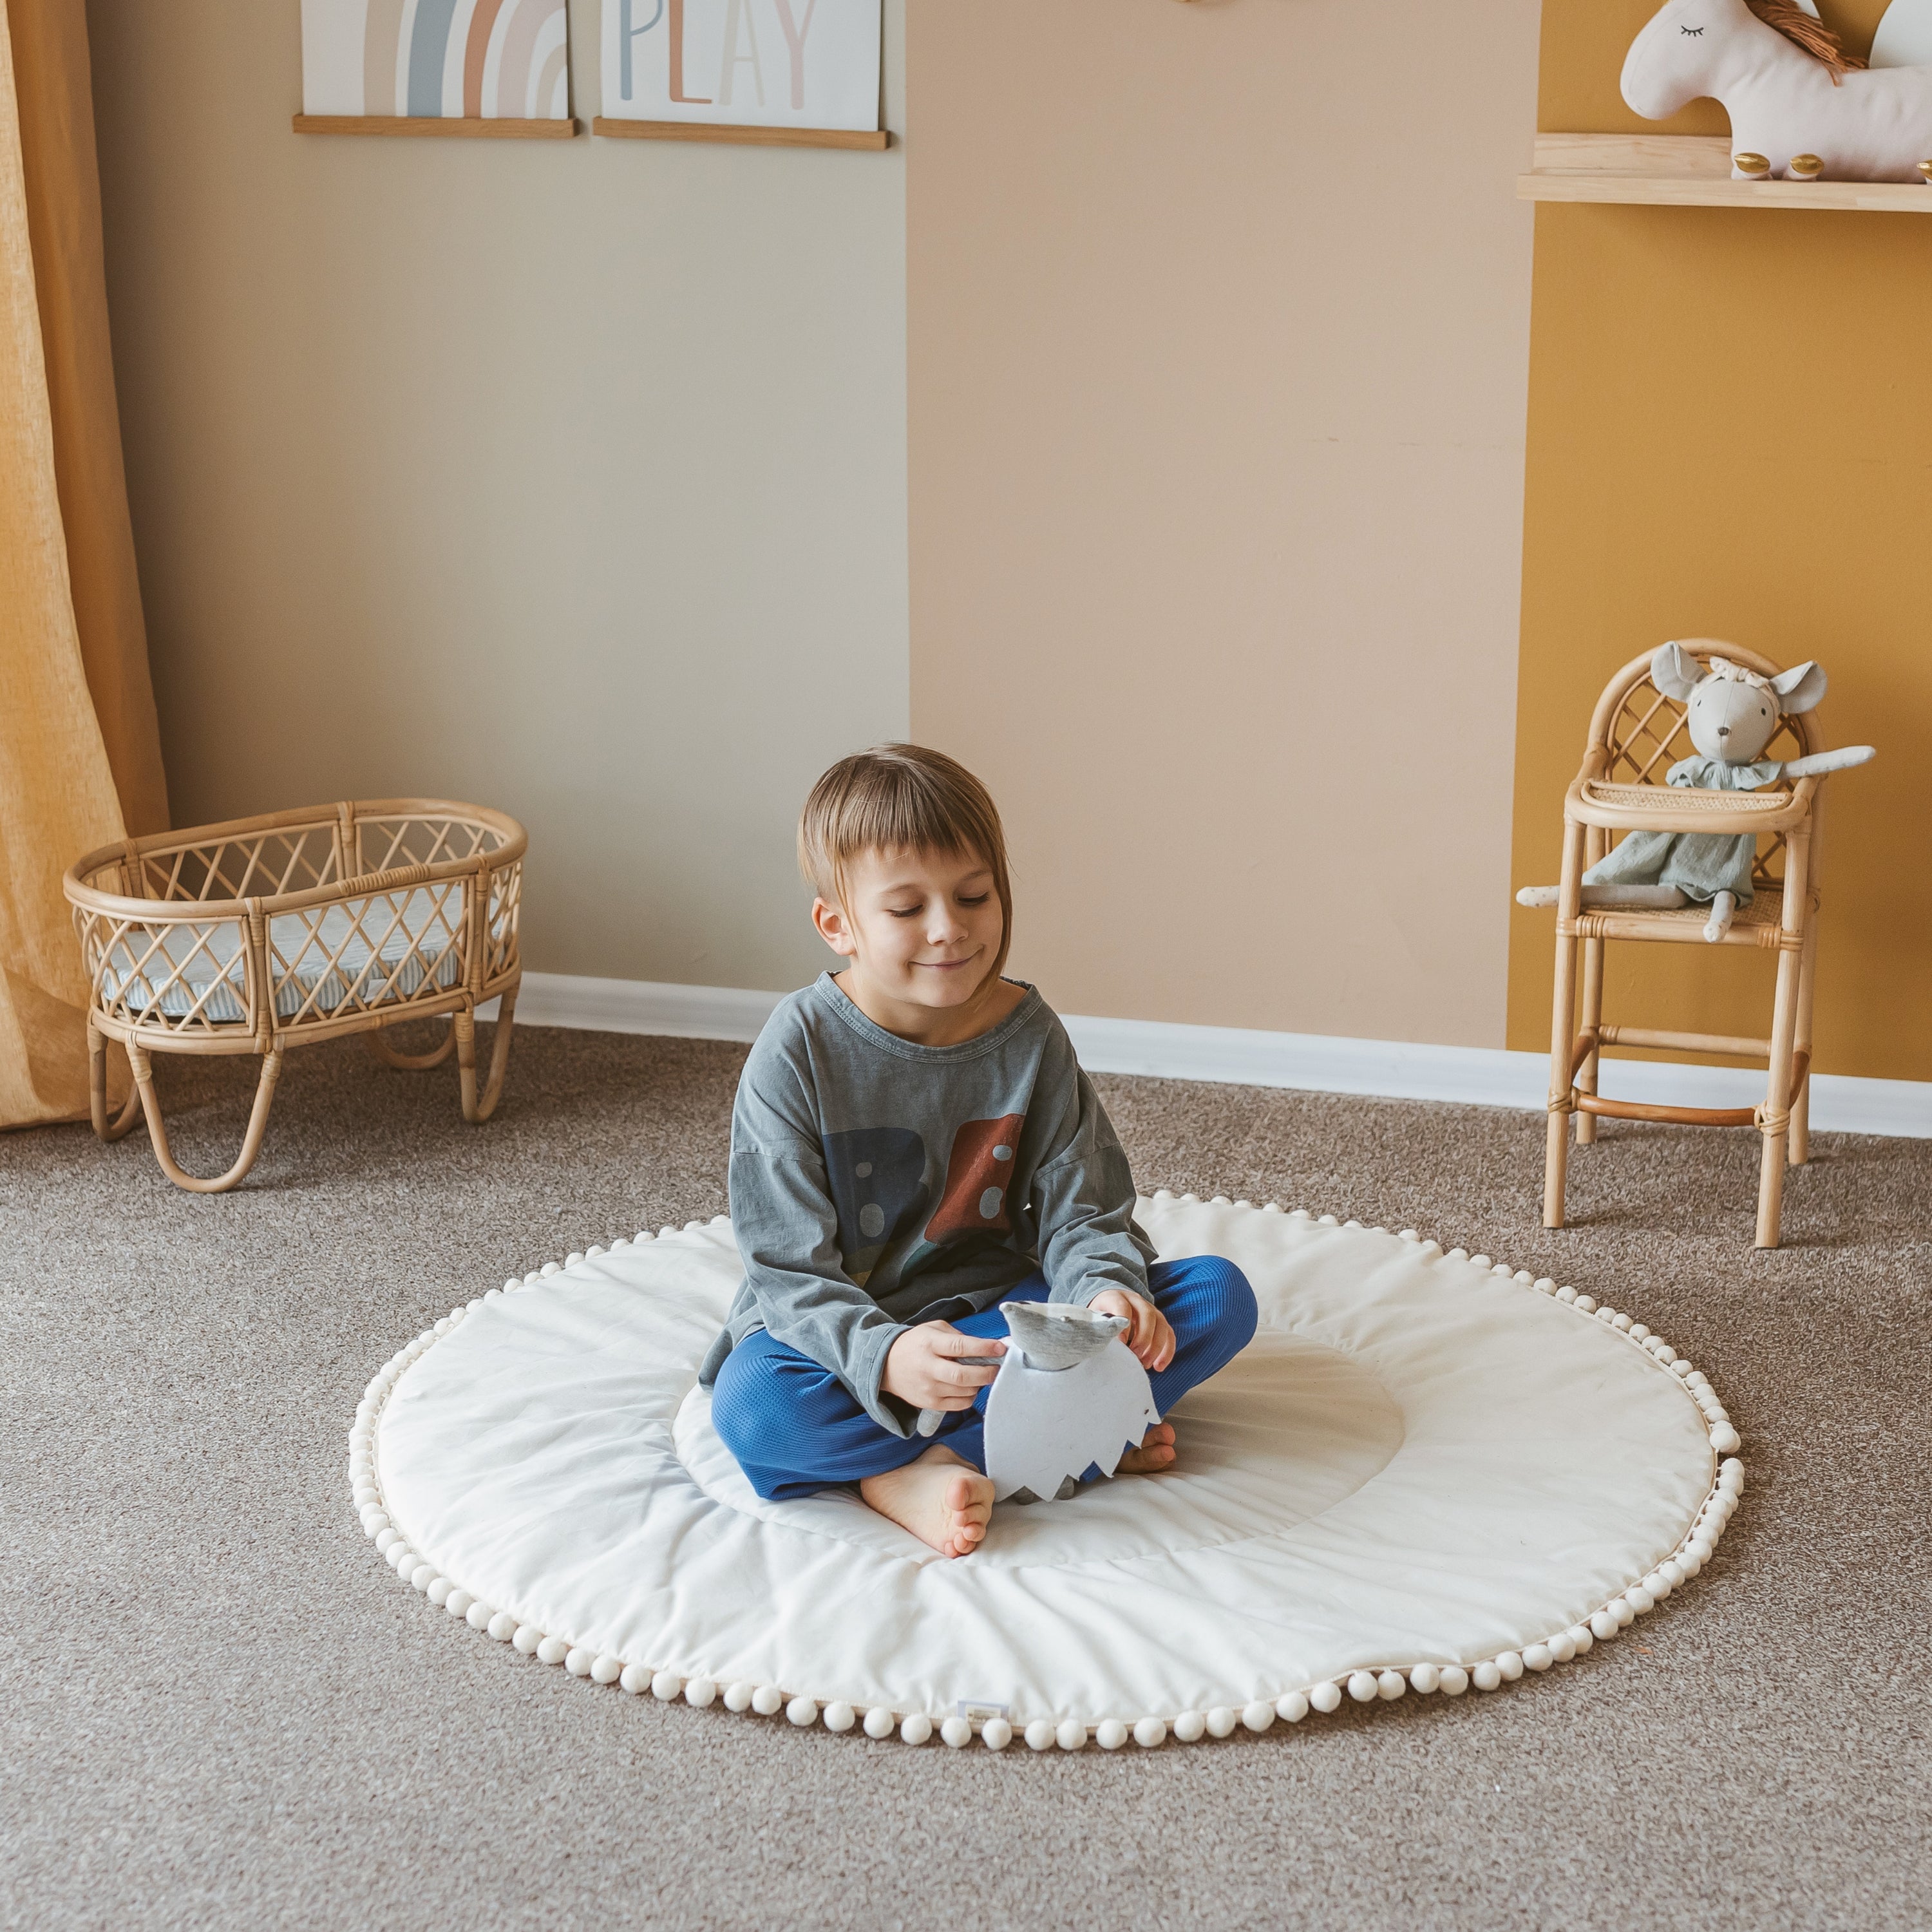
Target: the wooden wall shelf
pixel 473 127
pixel 1689 171
pixel 754 137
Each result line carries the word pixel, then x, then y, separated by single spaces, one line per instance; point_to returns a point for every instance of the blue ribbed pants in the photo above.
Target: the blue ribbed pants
pixel 795 1427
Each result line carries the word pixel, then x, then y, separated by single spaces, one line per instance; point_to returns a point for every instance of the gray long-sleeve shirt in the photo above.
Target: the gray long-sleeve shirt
pixel 876 1183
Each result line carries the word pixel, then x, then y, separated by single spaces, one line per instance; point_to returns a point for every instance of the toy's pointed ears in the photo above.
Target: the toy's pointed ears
pixel 1674 671
pixel 1799 688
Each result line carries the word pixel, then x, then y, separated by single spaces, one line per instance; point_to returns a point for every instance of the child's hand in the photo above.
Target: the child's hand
pixel 1149 1335
pixel 922 1366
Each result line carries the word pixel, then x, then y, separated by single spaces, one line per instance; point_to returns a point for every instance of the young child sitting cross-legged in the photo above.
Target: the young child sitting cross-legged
pixel 913 1143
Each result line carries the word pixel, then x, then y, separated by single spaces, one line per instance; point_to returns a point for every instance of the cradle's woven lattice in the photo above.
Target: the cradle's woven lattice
pixel 300 924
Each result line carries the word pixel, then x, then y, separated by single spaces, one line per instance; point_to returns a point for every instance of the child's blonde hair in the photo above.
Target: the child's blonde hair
pixel 901 798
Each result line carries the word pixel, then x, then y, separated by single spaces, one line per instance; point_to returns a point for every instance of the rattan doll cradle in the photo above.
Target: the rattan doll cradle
pixel 267 933
pixel 1635 735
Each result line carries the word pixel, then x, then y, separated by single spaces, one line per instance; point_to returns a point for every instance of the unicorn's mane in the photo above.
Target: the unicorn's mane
pixel 1807 32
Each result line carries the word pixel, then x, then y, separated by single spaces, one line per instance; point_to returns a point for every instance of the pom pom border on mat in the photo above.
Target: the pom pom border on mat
pixel 1148 1729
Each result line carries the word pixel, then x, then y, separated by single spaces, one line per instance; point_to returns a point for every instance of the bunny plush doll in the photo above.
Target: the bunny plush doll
pixel 1733 714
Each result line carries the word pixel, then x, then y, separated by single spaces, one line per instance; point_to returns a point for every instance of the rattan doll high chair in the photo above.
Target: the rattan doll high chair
pixel 1637 734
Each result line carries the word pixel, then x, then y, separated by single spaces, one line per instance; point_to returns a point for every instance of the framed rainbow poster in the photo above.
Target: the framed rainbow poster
pixel 436 67
pixel 803 72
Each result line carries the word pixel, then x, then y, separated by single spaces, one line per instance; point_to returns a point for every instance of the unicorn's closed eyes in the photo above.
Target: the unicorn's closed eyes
pixel 1791 93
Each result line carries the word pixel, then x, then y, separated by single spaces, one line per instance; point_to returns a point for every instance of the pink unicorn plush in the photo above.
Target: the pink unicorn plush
pixel 1792 94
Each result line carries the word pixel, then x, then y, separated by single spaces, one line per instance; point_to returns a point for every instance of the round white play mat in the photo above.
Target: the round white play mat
pixel 1426 1473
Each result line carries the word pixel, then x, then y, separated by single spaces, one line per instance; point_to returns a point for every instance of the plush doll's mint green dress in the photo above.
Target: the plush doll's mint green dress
pixel 1700 865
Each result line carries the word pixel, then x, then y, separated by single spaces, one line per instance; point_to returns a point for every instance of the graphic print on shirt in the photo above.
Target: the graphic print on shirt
pixel 878 1177
pixel 973 1200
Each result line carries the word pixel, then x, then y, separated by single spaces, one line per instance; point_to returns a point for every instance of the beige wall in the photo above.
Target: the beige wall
pixel 1218 325
pixel 569 477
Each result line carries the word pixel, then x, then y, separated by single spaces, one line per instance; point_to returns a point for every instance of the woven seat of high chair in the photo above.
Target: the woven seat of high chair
pixel 1643 798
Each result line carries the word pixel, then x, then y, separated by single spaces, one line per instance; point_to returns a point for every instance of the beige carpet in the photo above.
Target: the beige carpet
pixel 218 1709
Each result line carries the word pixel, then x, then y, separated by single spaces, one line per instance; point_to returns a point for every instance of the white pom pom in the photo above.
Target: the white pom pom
pixel 1326 1696
pixel 1725 1439
pixel 1703 1547
pixel 1509 1665
pixel 386 1540
pixel 421 1575
pixel 1482 1262
pixel 1071 1736
pixel 480 1616
pixel 1190 1726
pixel 438 1590
pixel 996 1734
pixel 1681 1367
pixel 1640 1599
pixel 880 1722
pixel 1667 1355
pixel 767 1699
pixel 1291 1706
pixel 738 1696
pixel 840 1717
pixel 1620 1323
pixel 1110 1734
pixel 1585 1304
pixel 548 1269
pixel 1562 1647
pixel 1657 1586
pixel 1504 1269
pixel 458 1602
pixel 552 1650
pixel 1362 1687
pixel 1731 1474
pixel 1623 1610
pixel 503 1626
pixel 1390 1684
pixel 1583 1636
pixel 1327 1221
pixel 1039 1735
pixel 918 1727
pixel 1454 1680
pixel 1671 1570
pixel 1221 1721
pixel 1408 1234
pixel 802 1711
pixel 596 1249
pixel 1543 1286
pixel 1603 1626
pixel 1151 1732
pixel 374 1519
pixel 572 1260
pixel 1566 1293
pixel 1638 1332
pixel 666 1685
pixel 1257 1716
pixel 635 1678
pixel 1425 1677
pixel 1486 1676
pixel 1457 1254
pixel 1538 1656
pixel 701 1693
pixel 606 1670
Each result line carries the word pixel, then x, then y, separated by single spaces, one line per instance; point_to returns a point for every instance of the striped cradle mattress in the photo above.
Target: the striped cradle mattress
pixel 316 972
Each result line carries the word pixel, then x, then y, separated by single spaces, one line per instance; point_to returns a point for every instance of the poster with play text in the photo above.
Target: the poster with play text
pixel 743 63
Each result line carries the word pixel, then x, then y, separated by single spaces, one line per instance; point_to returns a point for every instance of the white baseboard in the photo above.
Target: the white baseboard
pixel 1391 1070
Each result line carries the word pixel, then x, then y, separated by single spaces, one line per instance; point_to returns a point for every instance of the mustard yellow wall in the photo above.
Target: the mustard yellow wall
pixel 1730 436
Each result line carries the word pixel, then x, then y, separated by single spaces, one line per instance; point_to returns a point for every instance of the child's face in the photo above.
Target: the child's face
pixel 922 928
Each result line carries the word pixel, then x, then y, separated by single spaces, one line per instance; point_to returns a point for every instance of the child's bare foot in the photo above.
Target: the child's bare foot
pixel 944 1502
pixel 1156 1452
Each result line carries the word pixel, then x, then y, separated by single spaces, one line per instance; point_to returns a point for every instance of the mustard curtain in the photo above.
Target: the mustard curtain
pixel 79 753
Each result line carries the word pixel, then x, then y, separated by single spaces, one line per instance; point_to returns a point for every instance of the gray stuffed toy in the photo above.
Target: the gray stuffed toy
pixel 1733 714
